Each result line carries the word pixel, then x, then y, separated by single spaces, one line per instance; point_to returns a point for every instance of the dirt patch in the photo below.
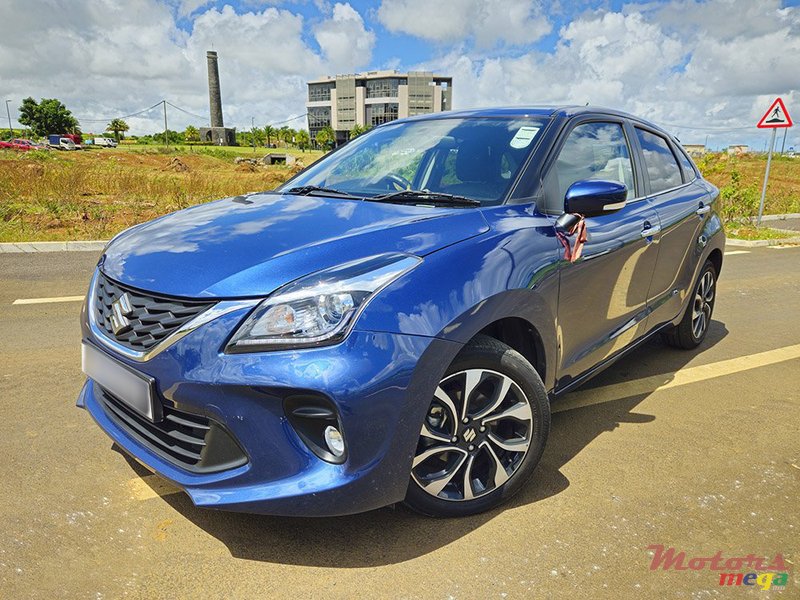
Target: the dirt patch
pixel 176 165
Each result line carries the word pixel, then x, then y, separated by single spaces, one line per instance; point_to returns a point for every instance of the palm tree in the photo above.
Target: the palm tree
pixel 117 126
pixel 270 132
pixel 283 135
pixel 326 137
pixel 191 134
pixel 302 138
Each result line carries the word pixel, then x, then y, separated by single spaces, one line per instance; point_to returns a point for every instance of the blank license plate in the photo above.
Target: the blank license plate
pixel 130 387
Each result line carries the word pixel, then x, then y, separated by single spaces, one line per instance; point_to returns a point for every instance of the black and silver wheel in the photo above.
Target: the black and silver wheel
pixel 483 434
pixel 692 329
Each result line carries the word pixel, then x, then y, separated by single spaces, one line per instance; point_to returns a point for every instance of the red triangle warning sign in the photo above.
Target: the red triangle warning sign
pixel 776 116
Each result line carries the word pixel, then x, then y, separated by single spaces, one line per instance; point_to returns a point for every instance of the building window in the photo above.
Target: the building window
pixel 320 92
pixel 378 114
pixel 382 88
pixel 318 117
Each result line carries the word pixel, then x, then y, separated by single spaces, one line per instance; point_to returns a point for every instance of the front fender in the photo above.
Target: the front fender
pixel 456 292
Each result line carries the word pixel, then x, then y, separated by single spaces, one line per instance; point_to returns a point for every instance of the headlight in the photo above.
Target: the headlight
pixel 318 309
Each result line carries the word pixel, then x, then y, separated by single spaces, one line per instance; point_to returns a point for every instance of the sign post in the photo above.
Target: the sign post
pixel 776 117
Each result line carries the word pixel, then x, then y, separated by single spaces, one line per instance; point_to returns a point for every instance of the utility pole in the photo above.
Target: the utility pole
pixel 705 146
pixel 783 144
pixel 8 112
pixel 766 177
pixel 253 132
pixel 166 129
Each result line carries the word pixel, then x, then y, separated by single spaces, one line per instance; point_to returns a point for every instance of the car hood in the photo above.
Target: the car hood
pixel 251 245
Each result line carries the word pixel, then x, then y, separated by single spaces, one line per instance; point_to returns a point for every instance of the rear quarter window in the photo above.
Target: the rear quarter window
pixel 659 161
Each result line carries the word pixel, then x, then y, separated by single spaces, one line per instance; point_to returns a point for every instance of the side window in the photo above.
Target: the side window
pixel 592 151
pixel 689 173
pixel 662 168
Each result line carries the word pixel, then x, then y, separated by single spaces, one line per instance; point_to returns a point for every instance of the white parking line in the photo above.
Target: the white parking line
pixel 48 300
pixel 732 252
pixel 654 383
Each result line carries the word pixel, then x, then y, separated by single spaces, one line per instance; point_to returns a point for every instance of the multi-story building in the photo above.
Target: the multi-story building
pixel 373 98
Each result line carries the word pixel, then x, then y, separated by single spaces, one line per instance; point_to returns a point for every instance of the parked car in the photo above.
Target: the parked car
pixel 394 322
pixel 104 142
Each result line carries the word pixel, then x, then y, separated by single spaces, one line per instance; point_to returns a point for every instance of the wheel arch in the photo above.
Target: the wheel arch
pixel 523 337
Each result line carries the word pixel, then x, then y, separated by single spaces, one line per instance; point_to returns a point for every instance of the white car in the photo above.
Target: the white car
pixel 105 142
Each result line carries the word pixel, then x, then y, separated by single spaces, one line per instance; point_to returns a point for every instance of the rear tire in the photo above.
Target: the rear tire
pixel 692 329
pixel 477 449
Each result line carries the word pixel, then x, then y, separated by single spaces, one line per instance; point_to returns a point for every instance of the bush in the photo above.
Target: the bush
pixel 738 202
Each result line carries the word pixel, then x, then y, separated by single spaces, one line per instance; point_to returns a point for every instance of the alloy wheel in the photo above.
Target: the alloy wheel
pixel 703 304
pixel 474 437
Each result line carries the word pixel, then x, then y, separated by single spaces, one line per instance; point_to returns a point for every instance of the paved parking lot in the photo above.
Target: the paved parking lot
pixel 695 450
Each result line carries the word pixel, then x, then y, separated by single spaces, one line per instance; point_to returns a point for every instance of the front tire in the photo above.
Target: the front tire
pixel 692 329
pixel 483 434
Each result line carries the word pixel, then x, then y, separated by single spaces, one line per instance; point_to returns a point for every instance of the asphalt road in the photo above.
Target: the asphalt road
pixel 695 450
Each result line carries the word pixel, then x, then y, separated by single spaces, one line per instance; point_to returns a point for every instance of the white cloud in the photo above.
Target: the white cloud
pixel 344 39
pixel 687 63
pixel 488 22
pixel 187 7
pixel 106 58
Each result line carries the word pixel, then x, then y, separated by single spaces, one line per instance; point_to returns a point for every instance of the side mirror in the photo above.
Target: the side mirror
pixel 594 197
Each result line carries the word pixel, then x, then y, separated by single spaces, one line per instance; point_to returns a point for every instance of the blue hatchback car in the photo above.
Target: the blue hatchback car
pixel 392 323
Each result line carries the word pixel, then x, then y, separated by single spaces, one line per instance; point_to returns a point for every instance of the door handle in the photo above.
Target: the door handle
pixel 650 230
pixel 703 210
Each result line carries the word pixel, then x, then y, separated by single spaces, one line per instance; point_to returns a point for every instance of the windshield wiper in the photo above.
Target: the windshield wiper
pixel 307 190
pixel 414 196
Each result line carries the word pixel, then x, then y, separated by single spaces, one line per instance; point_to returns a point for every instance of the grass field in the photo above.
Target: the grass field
pixel 96 193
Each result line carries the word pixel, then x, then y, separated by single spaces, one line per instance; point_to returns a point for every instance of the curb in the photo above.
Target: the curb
pixel 777 217
pixel 34 247
pixel 762 243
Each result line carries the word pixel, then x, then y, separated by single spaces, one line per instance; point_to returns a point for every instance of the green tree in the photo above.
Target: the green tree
pixel 191 134
pixel 285 135
pixel 357 130
pixel 291 136
pixel 118 126
pixel 47 116
pixel 270 132
pixel 326 137
pixel 302 139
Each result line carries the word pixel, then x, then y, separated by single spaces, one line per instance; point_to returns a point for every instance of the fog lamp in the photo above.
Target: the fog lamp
pixel 334 441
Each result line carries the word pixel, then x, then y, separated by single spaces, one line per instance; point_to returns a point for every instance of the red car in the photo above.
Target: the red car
pixel 21 145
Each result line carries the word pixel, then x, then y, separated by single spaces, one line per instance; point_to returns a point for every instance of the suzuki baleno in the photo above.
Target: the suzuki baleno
pixel 393 323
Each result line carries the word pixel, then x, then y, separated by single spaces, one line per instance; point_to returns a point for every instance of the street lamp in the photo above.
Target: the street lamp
pixel 8 112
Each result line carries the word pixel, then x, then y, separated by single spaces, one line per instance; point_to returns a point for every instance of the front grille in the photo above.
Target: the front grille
pixel 151 319
pixel 193 442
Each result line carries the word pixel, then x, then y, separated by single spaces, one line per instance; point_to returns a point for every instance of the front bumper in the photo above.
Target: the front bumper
pixel 380 384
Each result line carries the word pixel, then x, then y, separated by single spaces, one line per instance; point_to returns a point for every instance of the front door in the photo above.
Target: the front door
pixel 603 296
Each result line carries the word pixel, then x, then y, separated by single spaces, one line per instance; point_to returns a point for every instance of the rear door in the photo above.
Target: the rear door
pixel 681 206
pixel 603 296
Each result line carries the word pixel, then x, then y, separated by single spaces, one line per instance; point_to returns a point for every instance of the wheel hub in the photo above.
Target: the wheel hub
pixel 475 436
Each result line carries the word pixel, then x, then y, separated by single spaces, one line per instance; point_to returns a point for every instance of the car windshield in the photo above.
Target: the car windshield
pixel 475 158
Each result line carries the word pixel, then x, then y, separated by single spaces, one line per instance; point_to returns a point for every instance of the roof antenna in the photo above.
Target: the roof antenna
pixel 587 104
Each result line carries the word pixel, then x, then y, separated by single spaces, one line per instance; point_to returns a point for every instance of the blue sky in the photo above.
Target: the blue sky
pixel 708 67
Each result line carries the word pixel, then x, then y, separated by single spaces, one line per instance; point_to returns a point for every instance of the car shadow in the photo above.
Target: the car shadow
pixel 395 534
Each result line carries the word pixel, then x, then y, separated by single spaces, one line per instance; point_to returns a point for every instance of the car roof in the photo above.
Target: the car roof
pixel 546 111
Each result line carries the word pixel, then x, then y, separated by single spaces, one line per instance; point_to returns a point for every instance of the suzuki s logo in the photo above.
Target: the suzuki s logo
pixel 120 310
pixel 470 434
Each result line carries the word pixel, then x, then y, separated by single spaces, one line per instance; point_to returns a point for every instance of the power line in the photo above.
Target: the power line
pixel 186 111
pixel 106 120
pixel 704 128
pixel 288 120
